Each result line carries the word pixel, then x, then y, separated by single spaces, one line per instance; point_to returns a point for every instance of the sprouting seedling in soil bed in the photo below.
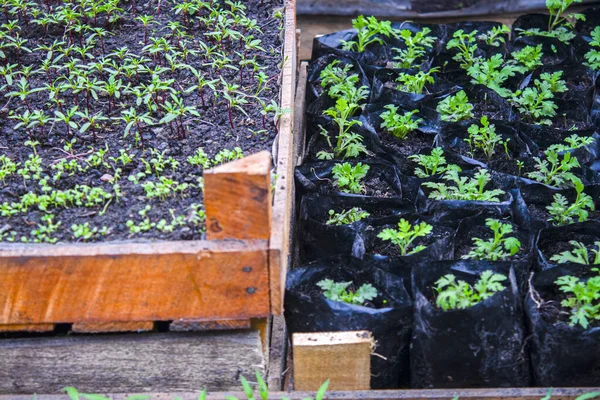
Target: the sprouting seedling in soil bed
pixel 399 125
pixel 347 144
pixel 337 291
pixel 573 142
pixel 563 213
pixel 346 217
pixel 593 55
pixel 486 139
pixel 348 178
pixel 578 254
pixel 415 48
pixel 528 58
pixel 415 83
pixel 455 108
pixel 499 248
pixel 582 303
pixel 557 9
pixel 466 45
pixel 492 73
pixel 464 188
pixel 453 294
pixel 555 171
pixel 496 36
pixel 7 167
pixel 333 75
pixel 368 31
pixel 536 103
pixel 405 235
pixel 433 164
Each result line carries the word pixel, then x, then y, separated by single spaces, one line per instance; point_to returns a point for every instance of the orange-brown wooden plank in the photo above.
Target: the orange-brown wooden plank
pixel 133 282
pixel 27 328
pixel 195 325
pixel 98 327
pixel 237 199
pixel 284 185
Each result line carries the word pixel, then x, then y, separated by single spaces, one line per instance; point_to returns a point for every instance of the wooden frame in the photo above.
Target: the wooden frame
pixel 235 275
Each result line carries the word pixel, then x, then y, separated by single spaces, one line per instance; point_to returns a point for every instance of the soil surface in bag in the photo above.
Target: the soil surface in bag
pixel 480 346
pixel 561 355
pixel 320 239
pixel 307 310
pixel 555 52
pixel 555 240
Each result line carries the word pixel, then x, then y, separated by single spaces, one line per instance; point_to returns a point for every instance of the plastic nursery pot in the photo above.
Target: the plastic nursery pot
pixel 307 310
pixel 480 346
pixel 561 355
pixel 474 227
pixel 381 181
pixel 592 20
pixel 388 256
pixel 384 89
pixel 580 82
pixel 535 198
pixel 555 240
pixel 317 98
pixel 320 239
pixel 555 52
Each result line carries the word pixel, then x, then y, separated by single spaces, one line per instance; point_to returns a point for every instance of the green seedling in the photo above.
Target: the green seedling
pixel 399 125
pixel 453 294
pixel 499 248
pixel 563 213
pixel 405 235
pixel 464 188
pixel 455 108
pixel 433 164
pixel 578 254
pixel 337 291
pixel 349 179
pixel 347 217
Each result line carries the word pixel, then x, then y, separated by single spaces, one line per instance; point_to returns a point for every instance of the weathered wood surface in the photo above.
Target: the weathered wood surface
pixel 420 9
pixel 130 363
pixel 277 353
pixel 193 325
pixel 284 184
pixel 27 328
pixel 237 199
pixel 140 282
pixel 97 327
pixel 342 357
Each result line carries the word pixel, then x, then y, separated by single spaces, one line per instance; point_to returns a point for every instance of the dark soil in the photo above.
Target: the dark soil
pixel 210 131
pixel 414 142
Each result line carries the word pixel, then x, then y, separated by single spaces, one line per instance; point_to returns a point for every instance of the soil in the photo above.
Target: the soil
pixel 540 213
pixel 552 311
pixel 210 131
pixel 414 142
pixel 556 247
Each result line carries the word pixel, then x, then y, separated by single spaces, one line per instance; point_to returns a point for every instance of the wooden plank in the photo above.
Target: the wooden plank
pixel 27 328
pixel 196 325
pixel 284 184
pixel 237 198
pixel 130 362
pixel 342 357
pixel 97 327
pixel 133 282
pixel 277 353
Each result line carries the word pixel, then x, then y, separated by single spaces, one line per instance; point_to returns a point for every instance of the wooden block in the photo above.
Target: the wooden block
pixel 98 327
pixel 194 325
pixel 138 282
pixel 277 353
pixel 130 363
pixel 342 357
pixel 237 198
pixel 27 328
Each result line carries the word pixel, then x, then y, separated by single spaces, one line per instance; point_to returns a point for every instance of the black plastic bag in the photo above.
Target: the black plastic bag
pixel 307 310
pixel 481 346
pixel 561 355
pixel 555 240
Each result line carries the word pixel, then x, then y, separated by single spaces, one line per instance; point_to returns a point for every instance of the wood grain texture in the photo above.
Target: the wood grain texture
pixel 27 328
pixel 195 325
pixel 284 184
pixel 237 199
pixel 277 353
pixel 130 363
pixel 133 282
pixel 342 357
pixel 97 327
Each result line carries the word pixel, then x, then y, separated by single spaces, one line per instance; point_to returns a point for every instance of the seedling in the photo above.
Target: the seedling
pixel 593 55
pixel 337 291
pixel 557 8
pixel 453 294
pixel 536 103
pixel 529 58
pixel 573 142
pixel 433 164
pixel 368 31
pixel 455 108
pixel 347 217
pixel 563 213
pixel 348 144
pixel 578 254
pixel 399 125
pixel 583 303
pixel 492 73
pixel 496 36
pixel 464 188
pixel 486 139
pixel 416 48
pixel 405 235
pixel 415 83
pixel 499 248
pixel 348 178
pixel 466 45
pixel 555 171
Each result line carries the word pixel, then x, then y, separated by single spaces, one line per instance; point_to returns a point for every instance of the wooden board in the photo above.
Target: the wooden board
pixel 97 327
pixel 130 363
pixel 342 357
pixel 284 184
pixel 141 282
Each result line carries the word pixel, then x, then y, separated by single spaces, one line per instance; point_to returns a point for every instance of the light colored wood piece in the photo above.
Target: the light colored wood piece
pixel 342 357
pixel 195 325
pixel 133 282
pixel 284 184
pixel 130 362
pixel 27 328
pixel 237 199
pixel 97 327
pixel 277 353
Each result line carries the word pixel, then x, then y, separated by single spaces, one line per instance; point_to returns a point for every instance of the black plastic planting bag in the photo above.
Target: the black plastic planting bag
pixel 381 180
pixel 320 239
pixel 561 355
pixel 555 52
pixel 307 310
pixel 555 240
pixel 481 346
